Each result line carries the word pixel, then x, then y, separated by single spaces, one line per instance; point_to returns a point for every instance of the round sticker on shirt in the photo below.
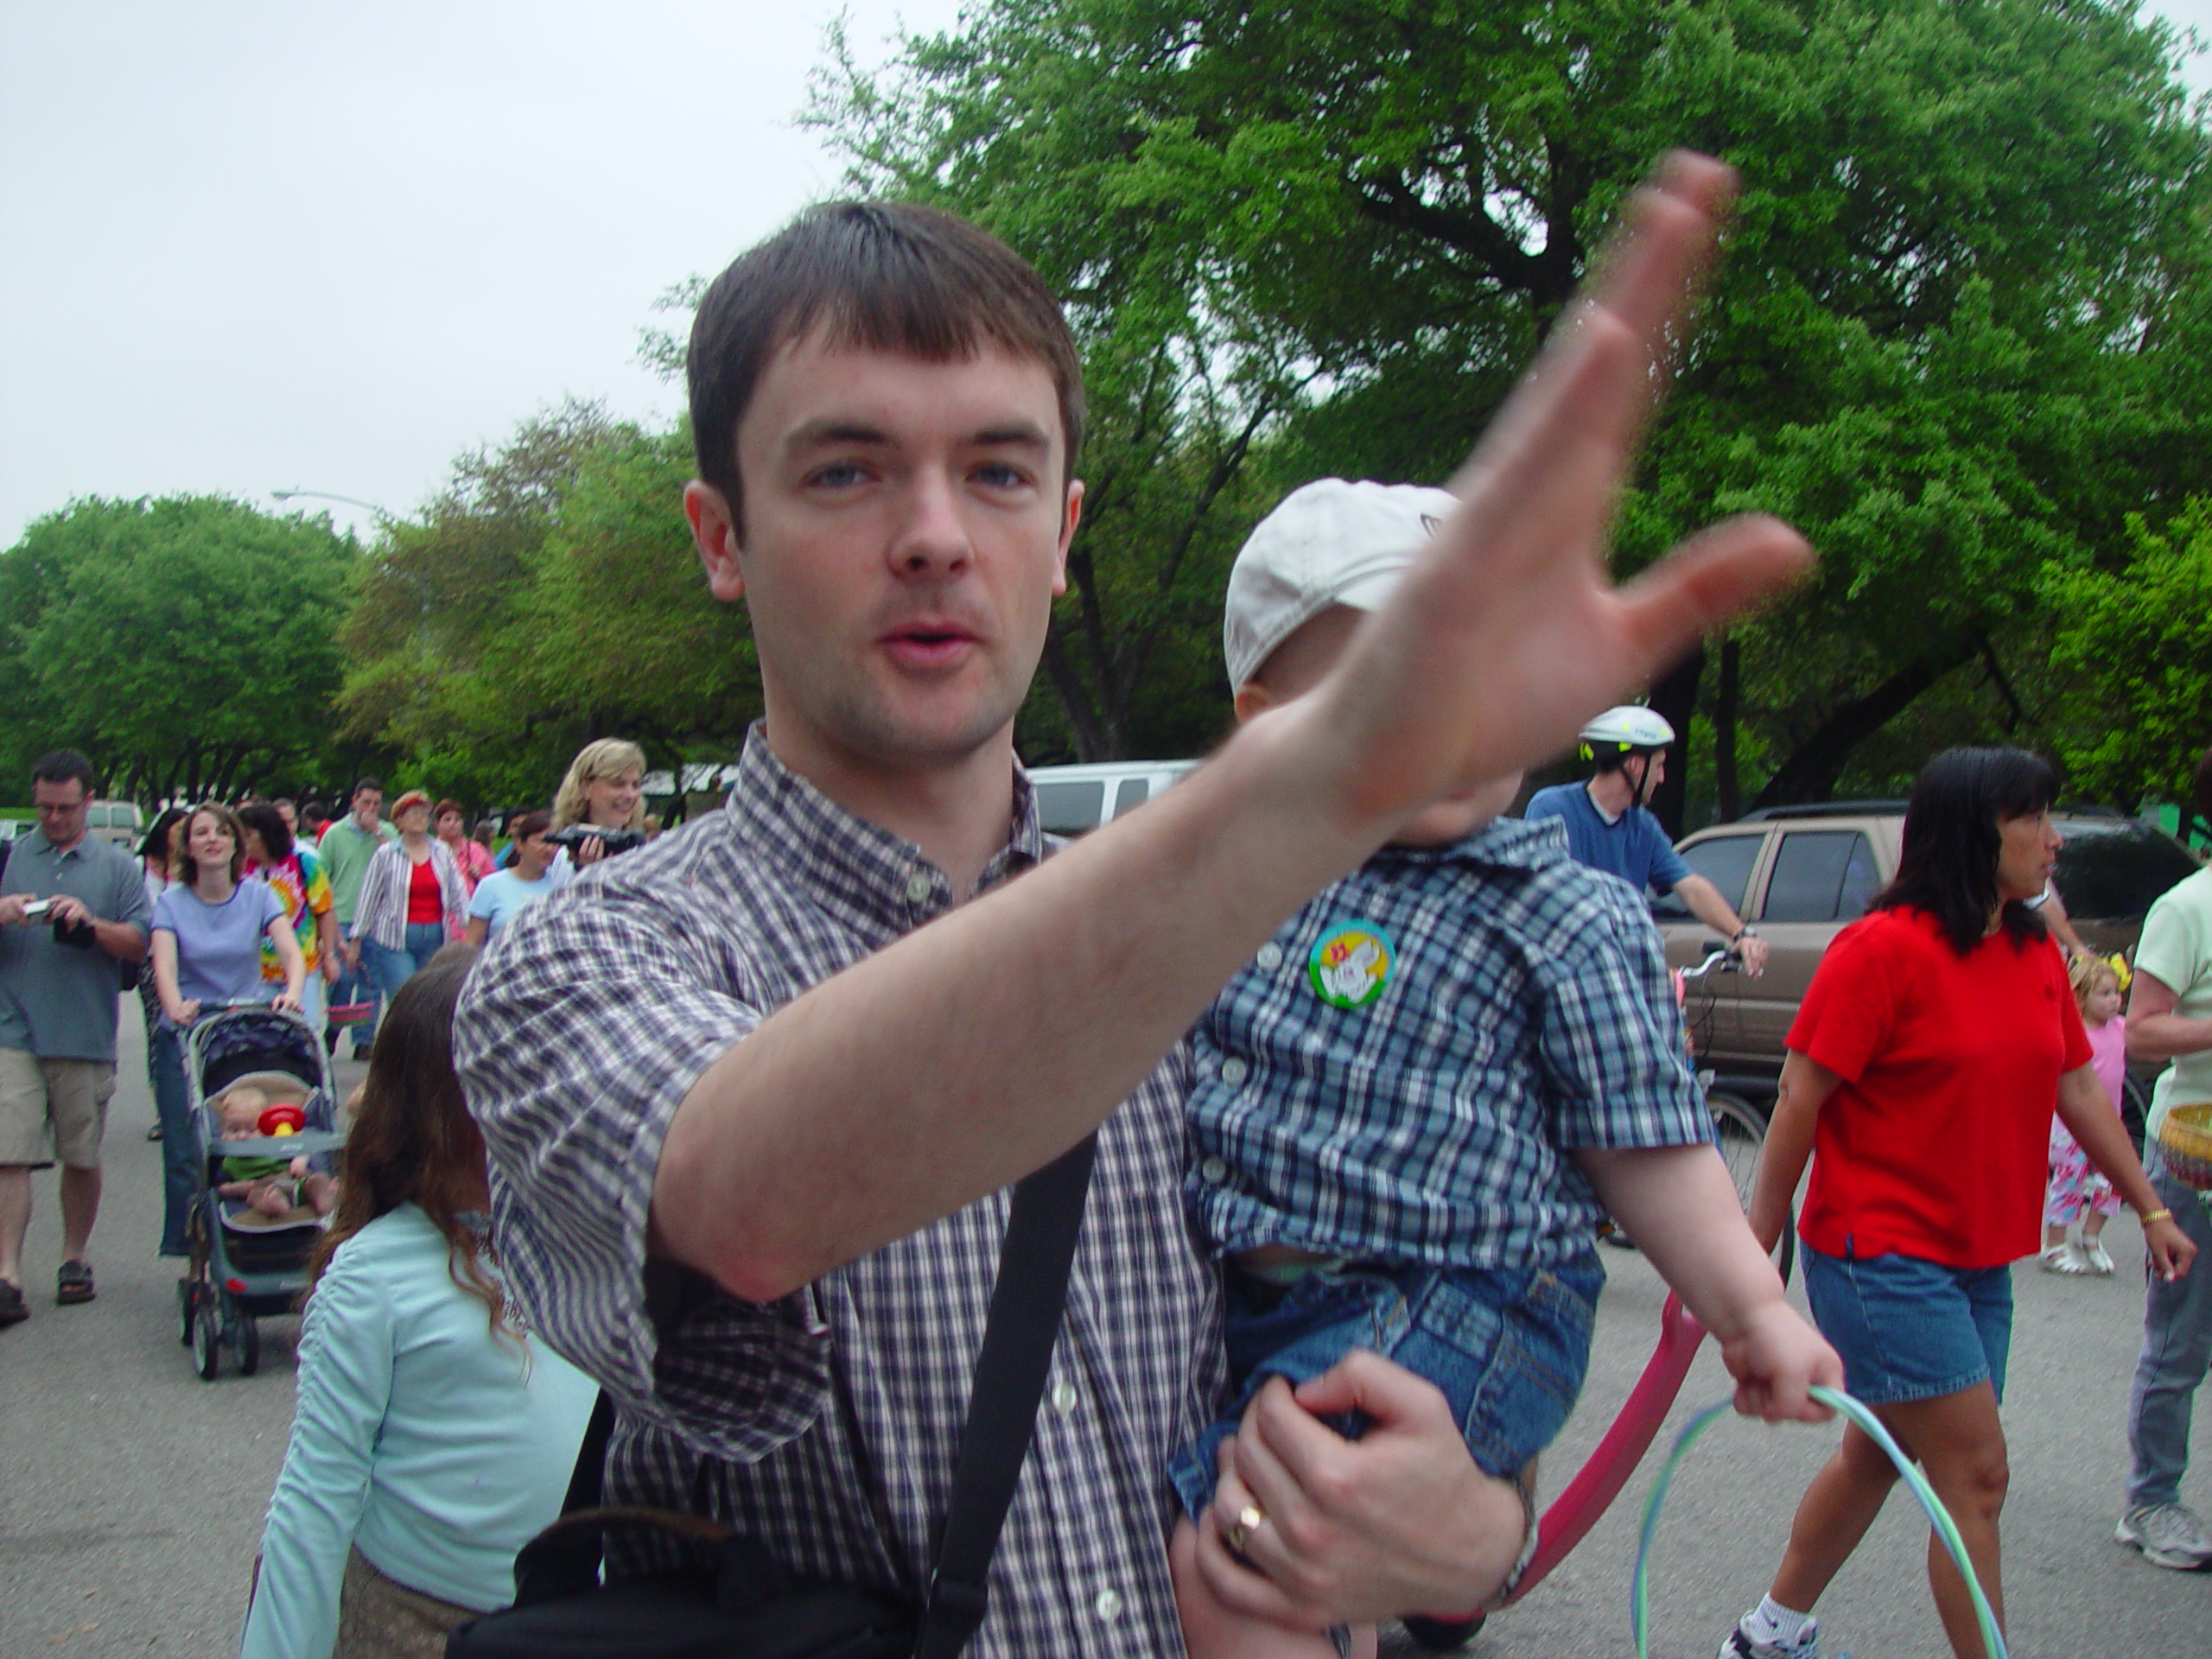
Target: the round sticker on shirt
pixel 1350 963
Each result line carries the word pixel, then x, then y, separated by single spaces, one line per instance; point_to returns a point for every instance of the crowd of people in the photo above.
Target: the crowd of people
pixel 722 1129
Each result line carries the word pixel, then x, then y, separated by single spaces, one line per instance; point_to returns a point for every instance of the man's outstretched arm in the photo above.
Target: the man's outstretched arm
pixel 977 1048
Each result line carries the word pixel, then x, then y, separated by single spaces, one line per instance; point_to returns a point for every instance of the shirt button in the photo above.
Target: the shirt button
pixel 1234 1071
pixel 1270 955
pixel 919 887
pixel 1214 1170
pixel 1063 1396
pixel 1108 1606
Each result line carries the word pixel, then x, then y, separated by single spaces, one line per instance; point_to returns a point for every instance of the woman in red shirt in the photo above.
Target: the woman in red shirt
pixel 1923 1067
pixel 413 900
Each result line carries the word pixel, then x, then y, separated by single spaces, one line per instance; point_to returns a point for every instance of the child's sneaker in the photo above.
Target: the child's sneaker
pixel 1740 1645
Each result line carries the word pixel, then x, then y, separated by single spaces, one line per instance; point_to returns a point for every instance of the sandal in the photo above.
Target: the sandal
pixel 2063 1258
pixel 73 1284
pixel 2098 1258
pixel 12 1305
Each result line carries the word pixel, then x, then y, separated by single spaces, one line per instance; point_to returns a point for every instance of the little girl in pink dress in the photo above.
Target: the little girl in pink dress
pixel 2080 1201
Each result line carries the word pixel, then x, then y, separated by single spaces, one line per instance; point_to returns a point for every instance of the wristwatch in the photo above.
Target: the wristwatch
pixel 1746 931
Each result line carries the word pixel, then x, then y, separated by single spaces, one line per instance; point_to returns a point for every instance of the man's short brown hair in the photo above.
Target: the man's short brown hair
pixel 883 276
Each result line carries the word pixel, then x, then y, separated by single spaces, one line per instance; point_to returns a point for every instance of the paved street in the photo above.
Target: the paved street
pixel 130 1492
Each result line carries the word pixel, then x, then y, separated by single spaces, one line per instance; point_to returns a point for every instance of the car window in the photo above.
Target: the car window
pixel 1069 809
pixel 1725 861
pixel 1132 794
pixel 1820 875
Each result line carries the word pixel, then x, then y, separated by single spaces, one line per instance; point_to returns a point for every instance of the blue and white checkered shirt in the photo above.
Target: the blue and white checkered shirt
pixel 588 1021
pixel 1401 1071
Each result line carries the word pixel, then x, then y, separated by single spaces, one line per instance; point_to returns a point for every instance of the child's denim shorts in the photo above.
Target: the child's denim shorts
pixel 1908 1329
pixel 1508 1347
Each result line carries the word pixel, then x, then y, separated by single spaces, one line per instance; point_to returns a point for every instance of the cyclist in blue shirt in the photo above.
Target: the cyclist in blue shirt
pixel 1609 829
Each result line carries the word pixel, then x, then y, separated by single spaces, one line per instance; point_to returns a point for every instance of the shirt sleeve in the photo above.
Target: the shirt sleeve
pixel 1664 865
pixel 317 883
pixel 345 1386
pixel 131 906
pixel 1615 1055
pixel 2172 948
pixel 1851 1006
pixel 588 1020
pixel 272 907
pixel 163 917
pixel 2073 1032
pixel 481 904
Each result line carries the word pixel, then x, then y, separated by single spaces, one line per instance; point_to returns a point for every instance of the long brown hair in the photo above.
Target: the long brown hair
pixel 413 1140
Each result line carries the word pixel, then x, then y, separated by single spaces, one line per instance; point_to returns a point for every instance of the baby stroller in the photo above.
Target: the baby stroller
pixel 243 1264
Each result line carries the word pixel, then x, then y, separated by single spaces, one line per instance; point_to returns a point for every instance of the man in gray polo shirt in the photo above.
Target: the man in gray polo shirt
pixel 73 907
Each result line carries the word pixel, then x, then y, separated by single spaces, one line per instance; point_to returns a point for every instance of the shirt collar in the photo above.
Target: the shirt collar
pixel 1501 844
pixel 842 860
pixel 37 842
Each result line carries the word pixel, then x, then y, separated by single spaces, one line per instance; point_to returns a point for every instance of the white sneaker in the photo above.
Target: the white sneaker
pixel 2169 1535
pixel 1741 1646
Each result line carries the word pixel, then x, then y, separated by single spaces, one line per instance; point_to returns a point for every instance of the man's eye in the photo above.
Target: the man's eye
pixel 838 475
pixel 1002 475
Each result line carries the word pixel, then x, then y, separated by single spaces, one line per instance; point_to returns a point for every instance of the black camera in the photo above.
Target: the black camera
pixel 614 841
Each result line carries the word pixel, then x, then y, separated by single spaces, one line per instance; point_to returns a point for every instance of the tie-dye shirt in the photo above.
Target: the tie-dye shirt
pixel 298 879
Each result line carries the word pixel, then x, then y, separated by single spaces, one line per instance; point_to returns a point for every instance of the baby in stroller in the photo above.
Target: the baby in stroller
pixel 274 1187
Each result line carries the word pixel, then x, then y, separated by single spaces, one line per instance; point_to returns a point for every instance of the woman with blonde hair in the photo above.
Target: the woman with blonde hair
pixel 432 1437
pixel 604 789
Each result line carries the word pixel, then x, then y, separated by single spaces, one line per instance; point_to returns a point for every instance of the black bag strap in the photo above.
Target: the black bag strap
pixel 1027 1302
pixel 1043 1220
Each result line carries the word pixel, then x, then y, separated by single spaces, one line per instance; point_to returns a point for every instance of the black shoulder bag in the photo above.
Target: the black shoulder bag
pixel 746 1607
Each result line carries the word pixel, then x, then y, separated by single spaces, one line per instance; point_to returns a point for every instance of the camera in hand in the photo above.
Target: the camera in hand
pixel 615 840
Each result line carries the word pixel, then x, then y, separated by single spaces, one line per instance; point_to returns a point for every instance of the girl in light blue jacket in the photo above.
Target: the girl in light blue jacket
pixel 433 1436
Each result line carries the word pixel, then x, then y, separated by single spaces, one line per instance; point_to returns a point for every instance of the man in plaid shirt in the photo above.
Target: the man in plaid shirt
pixel 752 1095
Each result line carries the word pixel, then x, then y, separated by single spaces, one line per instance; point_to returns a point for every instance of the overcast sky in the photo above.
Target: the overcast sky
pixel 250 246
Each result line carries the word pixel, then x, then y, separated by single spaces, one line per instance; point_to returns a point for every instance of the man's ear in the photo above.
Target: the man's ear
pixel 1072 516
pixel 1253 698
pixel 713 529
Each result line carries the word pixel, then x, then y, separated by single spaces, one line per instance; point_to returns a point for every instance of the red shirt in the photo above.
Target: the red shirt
pixel 425 903
pixel 1936 1145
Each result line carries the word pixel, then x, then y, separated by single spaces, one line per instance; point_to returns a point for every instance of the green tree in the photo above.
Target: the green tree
pixel 187 644
pixel 1953 341
pixel 2133 655
pixel 548 596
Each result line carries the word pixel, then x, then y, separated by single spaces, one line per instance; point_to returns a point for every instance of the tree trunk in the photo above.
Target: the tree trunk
pixel 1811 773
pixel 1674 697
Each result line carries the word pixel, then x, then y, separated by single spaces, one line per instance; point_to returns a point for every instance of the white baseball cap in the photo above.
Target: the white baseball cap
pixel 1331 541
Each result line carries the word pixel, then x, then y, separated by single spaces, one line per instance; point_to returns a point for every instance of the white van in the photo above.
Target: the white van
pixel 115 821
pixel 1071 800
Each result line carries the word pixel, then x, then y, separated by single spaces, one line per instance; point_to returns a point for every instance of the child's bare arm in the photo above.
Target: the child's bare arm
pixel 1680 1207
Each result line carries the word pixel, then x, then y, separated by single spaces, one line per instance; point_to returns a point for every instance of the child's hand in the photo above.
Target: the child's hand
pixel 297 1169
pixel 1774 1356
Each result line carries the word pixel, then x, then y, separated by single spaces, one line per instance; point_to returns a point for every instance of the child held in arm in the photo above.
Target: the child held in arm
pixel 274 1187
pixel 1416 1102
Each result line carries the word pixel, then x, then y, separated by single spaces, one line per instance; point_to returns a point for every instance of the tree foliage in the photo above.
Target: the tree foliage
pixel 1959 337
pixel 550 595
pixel 2133 653
pixel 187 644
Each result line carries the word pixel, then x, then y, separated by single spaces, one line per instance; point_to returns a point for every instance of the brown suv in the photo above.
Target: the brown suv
pixel 1798 873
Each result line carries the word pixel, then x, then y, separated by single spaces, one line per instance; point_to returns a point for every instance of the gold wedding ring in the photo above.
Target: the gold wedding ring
pixel 1248 1522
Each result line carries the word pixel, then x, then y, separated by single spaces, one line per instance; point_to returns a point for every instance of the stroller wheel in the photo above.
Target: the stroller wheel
pixel 188 1305
pixel 249 1332
pixel 207 1340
